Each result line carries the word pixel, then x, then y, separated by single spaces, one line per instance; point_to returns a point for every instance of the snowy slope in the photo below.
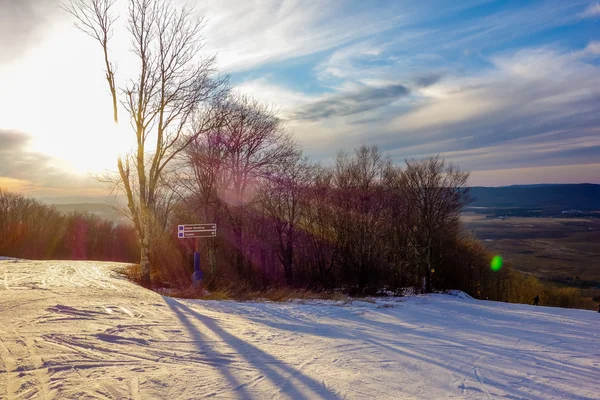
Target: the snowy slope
pixel 78 330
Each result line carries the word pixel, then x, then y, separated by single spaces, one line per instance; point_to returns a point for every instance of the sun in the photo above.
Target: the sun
pixel 99 149
pixel 61 103
pixel 84 147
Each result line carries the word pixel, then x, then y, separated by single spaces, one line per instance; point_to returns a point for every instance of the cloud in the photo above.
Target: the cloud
pixel 592 49
pixel 24 170
pixel 428 79
pixel 370 59
pixel 284 100
pixel 246 34
pixel 593 11
pixel 533 107
pixel 11 141
pixel 527 109
pixel 519 20
pixel 21 24
pixel 350 103
pixel 16 162
pixel 414 47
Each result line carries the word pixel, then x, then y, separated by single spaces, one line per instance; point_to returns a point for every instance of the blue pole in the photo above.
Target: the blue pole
pixel 196 261
pixel 197 275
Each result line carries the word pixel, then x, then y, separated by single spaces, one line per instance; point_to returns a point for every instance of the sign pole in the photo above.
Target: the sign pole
pixel 196 231
pixel 197 256
pixel 197 276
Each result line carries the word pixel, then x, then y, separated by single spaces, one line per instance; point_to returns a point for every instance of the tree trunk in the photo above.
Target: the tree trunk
pixel 239 255
pixel 145 247
pixel 287 265
pixel 428 272
pixel 212 243
pixel 145 261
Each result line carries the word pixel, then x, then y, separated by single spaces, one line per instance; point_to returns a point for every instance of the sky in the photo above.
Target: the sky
pixel 509 90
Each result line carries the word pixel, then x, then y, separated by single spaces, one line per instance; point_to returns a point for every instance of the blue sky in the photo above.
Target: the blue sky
pixel 510 90
pixel 492 85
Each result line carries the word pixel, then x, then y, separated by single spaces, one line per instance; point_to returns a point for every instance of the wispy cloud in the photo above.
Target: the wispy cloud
pixel 350 103
pixel 517 20
pixel 593 11
pixel 528 108
pixel 524 96
pixel 246 34
pixel 35 172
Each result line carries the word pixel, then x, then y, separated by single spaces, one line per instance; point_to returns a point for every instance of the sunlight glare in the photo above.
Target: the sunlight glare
pixel 70 125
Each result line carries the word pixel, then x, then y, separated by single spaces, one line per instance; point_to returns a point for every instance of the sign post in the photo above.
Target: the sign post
pixel 196 231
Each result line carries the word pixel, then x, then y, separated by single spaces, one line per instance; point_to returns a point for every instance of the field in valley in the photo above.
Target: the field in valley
pixel 564 250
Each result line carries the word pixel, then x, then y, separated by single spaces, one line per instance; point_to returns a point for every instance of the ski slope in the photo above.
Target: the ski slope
pixel 75 330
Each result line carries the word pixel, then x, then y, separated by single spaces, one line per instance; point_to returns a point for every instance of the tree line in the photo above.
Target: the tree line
pixel 363 224
pixel 32 230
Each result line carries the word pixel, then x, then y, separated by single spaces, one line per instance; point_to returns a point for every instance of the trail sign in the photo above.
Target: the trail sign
pixel 196 234
pixel 196 231
pixel 197 227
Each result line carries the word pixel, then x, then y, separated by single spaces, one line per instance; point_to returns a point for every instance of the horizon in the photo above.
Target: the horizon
pixel 509 91
pixel 105 200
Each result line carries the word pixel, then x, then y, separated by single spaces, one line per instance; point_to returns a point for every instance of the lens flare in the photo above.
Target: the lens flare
pixel 496 263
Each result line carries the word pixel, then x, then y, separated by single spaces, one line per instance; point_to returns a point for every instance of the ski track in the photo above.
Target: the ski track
pixel 79 330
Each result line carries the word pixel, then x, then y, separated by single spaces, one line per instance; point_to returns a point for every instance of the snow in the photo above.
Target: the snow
pixel 79 330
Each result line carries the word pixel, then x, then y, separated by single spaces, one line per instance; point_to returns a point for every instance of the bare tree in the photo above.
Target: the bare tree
pixel 283 201
pixel 318 217
pixel 227 165
pixel 173 85
pixel 200 180
pixel 435 192
pixel 96 19
pixel 360 224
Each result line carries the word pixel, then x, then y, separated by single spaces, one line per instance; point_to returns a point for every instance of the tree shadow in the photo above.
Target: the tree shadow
pixel 272 368
pixel 203 345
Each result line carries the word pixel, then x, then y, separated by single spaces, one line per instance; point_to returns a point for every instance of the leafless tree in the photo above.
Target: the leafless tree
pixel 318 217
pixel 283 199
pixel 173 87
pixel 435 192
pixel 199 181
pixel 360 223
pixel 227 165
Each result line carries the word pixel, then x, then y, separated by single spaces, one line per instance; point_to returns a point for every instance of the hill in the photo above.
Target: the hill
pixel 105 211
pixel 78 330
pixel 547 198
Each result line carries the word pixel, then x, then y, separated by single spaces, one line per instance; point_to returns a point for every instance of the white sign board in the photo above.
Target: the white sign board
pixel 189 231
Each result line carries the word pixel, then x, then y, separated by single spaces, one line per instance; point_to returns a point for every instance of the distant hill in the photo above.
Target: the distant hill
pixel 576 197
pixel 102 210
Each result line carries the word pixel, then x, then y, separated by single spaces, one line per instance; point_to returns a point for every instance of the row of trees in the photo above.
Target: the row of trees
pixel 29 229
pixel 363 224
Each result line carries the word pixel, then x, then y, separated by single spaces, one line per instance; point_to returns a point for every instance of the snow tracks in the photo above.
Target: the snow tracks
pixel 76 330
